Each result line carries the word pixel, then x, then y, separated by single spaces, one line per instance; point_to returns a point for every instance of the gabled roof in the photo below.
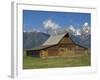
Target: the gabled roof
pixel 53 40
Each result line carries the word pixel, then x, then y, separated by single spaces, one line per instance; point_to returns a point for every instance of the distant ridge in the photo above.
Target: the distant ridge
pixel 34 39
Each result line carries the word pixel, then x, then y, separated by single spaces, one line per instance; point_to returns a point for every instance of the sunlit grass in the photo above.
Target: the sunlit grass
pixel 30 62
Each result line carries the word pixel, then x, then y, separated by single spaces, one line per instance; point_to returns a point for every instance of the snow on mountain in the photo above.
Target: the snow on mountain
pixel 78 32
pixel 86 28
pixel 73 30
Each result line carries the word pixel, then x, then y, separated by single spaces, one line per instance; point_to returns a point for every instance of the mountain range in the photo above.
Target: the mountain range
pixel 35 39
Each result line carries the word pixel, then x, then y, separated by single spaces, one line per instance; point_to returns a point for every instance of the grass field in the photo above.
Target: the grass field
pixel 36 62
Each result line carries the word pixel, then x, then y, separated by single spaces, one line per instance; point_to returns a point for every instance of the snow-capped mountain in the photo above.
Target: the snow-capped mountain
pixel 81 36
pixel 85 30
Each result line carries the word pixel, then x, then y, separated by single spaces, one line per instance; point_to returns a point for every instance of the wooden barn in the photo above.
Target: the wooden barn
pixel 58 46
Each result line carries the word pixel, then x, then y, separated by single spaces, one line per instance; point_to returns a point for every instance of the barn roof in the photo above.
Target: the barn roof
pixel 52 40
pixel 40 47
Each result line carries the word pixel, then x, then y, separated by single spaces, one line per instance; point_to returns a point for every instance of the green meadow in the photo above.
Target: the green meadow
pixel 30 62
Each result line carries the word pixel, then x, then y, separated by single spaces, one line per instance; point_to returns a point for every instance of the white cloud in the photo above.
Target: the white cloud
pixel 49 24
pixel 86 24
pixel 74 31
pixel 71 27
pixel 51 27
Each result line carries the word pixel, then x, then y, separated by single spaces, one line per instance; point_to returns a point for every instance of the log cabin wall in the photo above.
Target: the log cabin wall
pixel 71 49
pixel 53 51
pixel 66 47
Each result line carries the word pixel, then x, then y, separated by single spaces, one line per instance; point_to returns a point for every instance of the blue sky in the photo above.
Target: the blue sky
pixel 34 19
